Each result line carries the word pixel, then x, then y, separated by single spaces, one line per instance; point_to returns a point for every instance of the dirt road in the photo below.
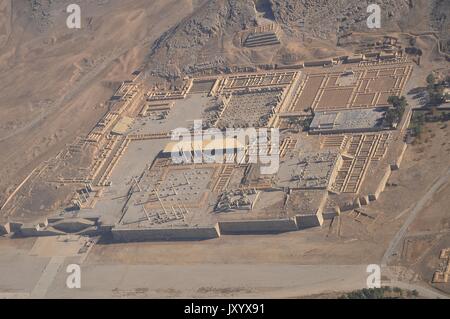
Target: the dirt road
pixel 420 205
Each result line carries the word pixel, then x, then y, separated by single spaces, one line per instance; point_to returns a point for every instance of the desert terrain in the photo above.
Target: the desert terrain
pixel 85 122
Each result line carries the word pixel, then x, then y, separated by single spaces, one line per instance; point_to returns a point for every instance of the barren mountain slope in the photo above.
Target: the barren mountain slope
pixel 182 47
pixel 210 37
pixel 441 21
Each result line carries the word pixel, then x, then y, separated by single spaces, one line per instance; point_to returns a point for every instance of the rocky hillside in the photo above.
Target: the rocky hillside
pixel 323 18
pixel 311 28
pixel 441 22
pixel 183 49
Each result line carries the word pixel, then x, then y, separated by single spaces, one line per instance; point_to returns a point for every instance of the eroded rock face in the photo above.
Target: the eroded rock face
pixel 40 10
pixel 322 18
pixel 207 39
pixel 179 50
pixel 441 22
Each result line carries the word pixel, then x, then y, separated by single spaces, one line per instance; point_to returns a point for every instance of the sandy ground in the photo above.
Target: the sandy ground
pixel 38 118
pixel 82 68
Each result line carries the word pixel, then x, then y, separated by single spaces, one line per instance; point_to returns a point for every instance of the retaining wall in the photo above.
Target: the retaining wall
pixel 381 185
pixel 351 205
pixel 13 227
pixel 164 234
pixel 330 214
pixel 270 226
pixel 309 221
pixel 2 230
pixel 364 200
pixel 399 159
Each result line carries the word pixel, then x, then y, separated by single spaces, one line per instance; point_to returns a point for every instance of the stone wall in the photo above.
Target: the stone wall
pixel 164 234
pixel 271 226
pixel 308 221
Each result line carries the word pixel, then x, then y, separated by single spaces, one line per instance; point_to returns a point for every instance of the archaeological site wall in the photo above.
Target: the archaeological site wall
pixel 163 234
pixel 258 226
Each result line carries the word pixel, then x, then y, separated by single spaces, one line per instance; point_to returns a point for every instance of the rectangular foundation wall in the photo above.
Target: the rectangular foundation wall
pixel 258 226
pixel 164 234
